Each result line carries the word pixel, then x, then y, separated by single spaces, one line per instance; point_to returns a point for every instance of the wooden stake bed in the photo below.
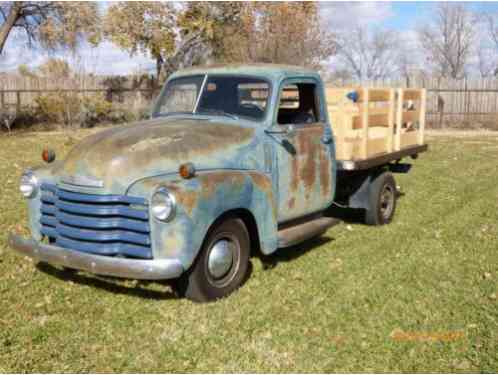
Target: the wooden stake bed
pixel 382 125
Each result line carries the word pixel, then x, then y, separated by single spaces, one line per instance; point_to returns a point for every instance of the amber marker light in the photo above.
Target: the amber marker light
pixel 187 170
pixel 48 155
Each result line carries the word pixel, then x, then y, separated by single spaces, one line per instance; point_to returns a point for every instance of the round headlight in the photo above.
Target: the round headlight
pixel 163 205
pixel 28 185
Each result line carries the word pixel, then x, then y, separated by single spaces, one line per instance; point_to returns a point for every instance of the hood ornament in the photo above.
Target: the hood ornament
pixel 82 181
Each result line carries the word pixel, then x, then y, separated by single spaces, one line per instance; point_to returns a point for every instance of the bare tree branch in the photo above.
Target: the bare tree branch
pixel 449 39
pixel 368 54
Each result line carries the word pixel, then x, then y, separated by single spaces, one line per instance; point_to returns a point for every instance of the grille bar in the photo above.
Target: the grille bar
pixel 99 224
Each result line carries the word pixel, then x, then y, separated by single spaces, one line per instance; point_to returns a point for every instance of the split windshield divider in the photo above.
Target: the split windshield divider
pixel 200 94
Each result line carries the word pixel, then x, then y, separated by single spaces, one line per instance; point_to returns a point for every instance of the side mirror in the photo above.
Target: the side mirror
pixel 291 131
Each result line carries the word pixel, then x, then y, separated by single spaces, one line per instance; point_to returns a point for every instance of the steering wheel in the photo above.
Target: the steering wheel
pixel 251 107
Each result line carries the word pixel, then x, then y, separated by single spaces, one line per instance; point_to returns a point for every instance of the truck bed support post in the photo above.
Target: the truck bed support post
pixel 421 127
pixel 364 148
pixel 390 122
pixel 399 120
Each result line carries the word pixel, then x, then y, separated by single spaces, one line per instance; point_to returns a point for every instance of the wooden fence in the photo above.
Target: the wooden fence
pixel 450 103
pixel 17 92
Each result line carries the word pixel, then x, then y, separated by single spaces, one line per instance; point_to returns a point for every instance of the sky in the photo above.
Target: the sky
pixel 108 59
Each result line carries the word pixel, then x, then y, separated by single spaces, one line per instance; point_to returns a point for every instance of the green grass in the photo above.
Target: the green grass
pixel 361 299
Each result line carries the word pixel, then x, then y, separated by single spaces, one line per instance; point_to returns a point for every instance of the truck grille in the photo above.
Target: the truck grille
pixel 98 224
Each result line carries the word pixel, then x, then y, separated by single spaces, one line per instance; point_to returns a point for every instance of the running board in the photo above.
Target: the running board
pixel 292 235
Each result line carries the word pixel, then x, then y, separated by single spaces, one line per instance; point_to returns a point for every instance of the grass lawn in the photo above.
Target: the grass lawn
pixel 417 295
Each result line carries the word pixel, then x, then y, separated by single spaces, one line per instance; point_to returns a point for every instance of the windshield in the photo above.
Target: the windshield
pixel 229 96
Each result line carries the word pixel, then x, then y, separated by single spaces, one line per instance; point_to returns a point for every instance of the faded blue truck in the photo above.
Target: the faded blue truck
pixel 227 165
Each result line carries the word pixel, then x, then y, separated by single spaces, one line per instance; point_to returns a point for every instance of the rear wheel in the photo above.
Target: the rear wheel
pixel 382 200
pixel 221 266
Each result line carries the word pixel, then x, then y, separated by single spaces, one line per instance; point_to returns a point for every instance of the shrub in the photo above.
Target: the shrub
pixel 94 109
pixel 59 107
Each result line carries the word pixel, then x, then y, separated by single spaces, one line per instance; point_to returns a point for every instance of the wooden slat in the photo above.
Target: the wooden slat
pixel 390 123
pixel 375 95
pixel 373 120
pixel 376 146
pixel 409 139
pixel 411 94
pixel 365 117
pixel 421 128
pixel 399 120
pixel 411 116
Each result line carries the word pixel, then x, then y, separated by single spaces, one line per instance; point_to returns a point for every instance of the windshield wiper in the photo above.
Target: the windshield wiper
pixel 166 114
pixel 212 111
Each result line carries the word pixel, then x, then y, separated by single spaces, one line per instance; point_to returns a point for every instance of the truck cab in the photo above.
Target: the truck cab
pixel 234 159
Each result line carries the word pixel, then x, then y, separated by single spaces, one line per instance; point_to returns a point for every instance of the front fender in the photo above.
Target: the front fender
pixel 203 199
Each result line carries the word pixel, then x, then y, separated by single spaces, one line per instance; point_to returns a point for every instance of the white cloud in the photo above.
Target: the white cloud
pixel 340 15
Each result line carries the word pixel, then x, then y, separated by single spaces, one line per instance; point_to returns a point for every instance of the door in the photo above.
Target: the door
pixel 305 168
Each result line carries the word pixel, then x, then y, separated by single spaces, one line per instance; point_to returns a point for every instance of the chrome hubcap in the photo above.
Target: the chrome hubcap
pixel 386 202
pixel 220 258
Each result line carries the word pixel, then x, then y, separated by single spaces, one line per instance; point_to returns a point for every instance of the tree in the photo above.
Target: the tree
pixel 493 29
pixel 24 71
pixel 286 32
pixel 146 27
pixel 492 57
pixel 52 24
pixel 283 33
pixel 449 39
pixel 211 24
pixel 55 68
pixel 369 54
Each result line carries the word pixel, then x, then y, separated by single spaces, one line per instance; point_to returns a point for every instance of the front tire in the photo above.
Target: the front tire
pixel 221 265
pixel 382 200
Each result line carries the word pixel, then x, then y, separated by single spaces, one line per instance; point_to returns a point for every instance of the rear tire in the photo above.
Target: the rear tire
pixel 382 200
pixel 221 265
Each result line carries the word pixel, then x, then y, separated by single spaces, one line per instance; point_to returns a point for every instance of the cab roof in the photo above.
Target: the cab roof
pixel 270 71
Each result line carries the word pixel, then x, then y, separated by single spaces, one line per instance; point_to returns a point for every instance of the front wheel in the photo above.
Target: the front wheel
pixel 382 200
pixel 221 265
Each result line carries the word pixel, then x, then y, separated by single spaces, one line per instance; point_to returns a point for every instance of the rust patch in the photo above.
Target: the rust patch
pixel 262 182
pixel 294 172
pixel 188 199
pixel 124 150
pixel 292 202
pixel 325 171
pixel 307 170
pixel 211 181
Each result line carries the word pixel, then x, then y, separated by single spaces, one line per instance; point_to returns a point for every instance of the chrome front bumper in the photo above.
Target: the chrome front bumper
pixel 159 269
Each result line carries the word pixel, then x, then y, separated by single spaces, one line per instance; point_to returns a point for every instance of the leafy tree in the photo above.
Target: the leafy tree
pixel 24 71
pixel 201 32
pixel 211 24
pixel 52 24
pixel 284 33
pixel 56 68
pixel 146 27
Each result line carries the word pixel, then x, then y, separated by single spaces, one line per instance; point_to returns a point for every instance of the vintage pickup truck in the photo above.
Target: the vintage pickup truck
pixel 234 159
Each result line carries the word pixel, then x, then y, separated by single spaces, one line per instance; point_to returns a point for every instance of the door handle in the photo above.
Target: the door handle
pixel 326 140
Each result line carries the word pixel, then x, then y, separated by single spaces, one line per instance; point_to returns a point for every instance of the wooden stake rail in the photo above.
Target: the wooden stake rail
pixel 380 121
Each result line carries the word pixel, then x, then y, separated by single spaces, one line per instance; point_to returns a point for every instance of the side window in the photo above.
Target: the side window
pixel 253 97
pixel 181 97
pixel 298 104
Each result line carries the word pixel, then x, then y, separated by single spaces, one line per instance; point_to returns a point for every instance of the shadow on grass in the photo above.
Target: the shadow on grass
pixel 348 215
pixel 108 283
pixel 288 254
pixel 352 215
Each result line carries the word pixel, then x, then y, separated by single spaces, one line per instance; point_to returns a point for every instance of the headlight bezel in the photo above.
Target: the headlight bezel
pixel 167 195
pixel 29 179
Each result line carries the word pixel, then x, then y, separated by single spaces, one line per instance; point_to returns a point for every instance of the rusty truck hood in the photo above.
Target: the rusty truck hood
pixel 119 156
